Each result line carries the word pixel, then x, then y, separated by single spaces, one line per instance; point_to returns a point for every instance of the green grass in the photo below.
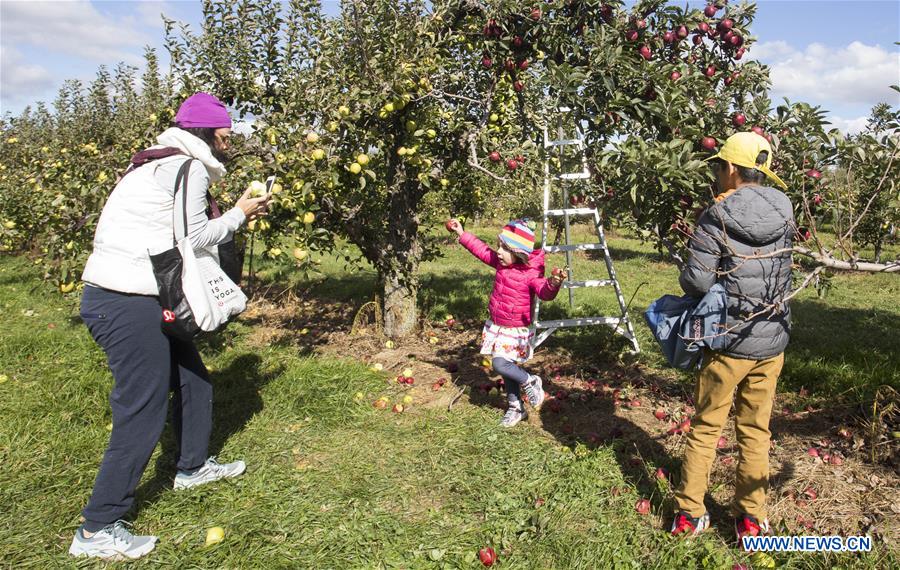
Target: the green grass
pixel 334 483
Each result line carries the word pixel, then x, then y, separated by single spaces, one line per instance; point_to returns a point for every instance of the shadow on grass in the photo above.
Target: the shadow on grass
pixel 837 350
pixel 236 400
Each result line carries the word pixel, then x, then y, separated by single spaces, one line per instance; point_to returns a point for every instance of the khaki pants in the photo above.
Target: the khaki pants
pixel 716 383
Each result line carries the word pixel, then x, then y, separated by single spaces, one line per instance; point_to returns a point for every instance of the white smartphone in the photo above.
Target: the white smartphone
pixel 270 182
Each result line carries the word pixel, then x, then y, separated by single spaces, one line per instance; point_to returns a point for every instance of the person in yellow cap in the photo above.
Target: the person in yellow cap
pixel 742 241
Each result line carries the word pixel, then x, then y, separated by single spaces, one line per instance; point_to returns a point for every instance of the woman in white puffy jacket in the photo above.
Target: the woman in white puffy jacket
pixel 121 308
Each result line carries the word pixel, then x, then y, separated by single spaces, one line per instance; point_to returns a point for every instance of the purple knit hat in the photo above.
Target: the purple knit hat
pixel 204 111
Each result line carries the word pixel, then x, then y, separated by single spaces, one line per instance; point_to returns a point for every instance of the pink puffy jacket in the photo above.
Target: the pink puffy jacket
pixel 514 286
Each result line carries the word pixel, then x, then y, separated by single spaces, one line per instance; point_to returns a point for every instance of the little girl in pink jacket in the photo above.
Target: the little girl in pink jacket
pixel 506 336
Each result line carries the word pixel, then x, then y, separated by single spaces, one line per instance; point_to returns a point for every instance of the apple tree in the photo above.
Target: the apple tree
pixel 377 122
pixel 57 168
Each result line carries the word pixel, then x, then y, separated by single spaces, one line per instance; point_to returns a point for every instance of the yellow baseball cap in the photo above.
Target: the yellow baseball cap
pixel 743 148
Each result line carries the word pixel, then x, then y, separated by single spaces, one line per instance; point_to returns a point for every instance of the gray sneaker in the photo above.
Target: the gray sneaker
pixel 211 471
pixel 112 542
pixel 513 415
pixel 534 391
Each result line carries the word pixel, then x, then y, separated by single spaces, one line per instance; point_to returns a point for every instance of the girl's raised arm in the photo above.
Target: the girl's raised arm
pixel 480 249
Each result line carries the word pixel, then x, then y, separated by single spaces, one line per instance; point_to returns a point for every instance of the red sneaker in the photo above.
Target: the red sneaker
pixel 686 524
pixel 745 525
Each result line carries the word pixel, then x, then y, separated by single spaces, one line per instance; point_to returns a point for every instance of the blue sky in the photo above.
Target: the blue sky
pixel 839 54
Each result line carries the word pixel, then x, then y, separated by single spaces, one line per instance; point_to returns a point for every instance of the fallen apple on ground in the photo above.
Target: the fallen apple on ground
pixel 214 535
pixel 642 506
pixel 487 556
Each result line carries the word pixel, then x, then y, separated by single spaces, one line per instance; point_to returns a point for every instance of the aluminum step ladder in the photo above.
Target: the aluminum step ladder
pixel 543 329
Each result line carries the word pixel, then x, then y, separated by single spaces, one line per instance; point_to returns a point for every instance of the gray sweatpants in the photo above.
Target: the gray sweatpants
pixel 513 378
pixel 146 365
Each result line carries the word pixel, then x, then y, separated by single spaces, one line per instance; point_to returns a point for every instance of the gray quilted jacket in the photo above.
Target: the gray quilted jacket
pixel 754 220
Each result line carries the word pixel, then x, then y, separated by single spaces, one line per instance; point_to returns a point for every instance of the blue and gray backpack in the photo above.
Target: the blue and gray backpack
pixel 684 325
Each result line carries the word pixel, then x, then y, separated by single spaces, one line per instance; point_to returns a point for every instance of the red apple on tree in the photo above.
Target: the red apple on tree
pixel 675 76
pixel 511 164
pixel 813 173
pixel 518 86
pixel 709 71
pixel 758 130
pixel 509 65
pixel 645 52
pixel 523 65
pixel 738 120
pixel 669 37
pixel 640 24
pixel 681 32
pixel 698 39
pixel 518 42
pixel 606 12
pixel 703 27
pixel 535 13
pixel 487 61
pixel 631 35
pixel 710 10
pixel 709 143
pixel 494 156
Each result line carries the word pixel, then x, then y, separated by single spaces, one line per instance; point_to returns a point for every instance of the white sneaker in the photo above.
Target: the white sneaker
pixel 112 542
pixel 211 471
pixel 534 391
pixel 513 415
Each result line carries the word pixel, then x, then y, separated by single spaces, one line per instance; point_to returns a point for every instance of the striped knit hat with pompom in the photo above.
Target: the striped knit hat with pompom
pixel 518 236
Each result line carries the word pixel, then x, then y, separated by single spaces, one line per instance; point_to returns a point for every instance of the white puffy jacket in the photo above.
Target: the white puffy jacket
pixel 141 217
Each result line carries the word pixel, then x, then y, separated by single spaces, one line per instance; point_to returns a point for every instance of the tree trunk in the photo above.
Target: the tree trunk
pixel 399 263
pixel 400 309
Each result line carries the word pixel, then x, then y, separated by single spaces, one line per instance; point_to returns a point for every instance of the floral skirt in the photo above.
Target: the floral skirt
pixel 511 343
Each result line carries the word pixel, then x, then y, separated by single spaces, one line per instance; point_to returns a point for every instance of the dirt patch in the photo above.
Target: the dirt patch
pixel 636 410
